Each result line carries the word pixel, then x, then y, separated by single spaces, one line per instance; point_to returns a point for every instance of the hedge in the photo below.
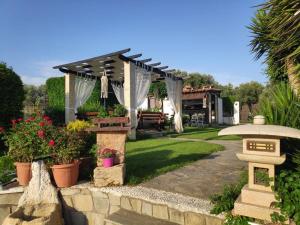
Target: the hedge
pixel 12 95
pixel 55 88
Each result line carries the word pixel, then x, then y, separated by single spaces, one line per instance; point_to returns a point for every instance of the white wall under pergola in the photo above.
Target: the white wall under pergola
pixel 123 70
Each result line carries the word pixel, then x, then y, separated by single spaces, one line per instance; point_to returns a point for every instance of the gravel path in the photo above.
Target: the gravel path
pixel 206 176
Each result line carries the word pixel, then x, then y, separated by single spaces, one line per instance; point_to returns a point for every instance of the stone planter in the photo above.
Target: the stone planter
pixel 66 175
pixel 23 173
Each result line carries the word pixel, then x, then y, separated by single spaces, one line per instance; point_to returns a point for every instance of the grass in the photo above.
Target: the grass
pixel 149 158
pixel 206 133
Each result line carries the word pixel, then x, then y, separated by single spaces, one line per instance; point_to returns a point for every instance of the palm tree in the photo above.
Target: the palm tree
pixel 276 34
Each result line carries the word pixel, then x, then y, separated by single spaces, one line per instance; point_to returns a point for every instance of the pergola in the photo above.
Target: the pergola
pixel 119 68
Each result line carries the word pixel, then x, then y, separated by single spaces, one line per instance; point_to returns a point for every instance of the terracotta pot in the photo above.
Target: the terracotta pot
pixel 23 173
pixel 65 175
pixel 76 171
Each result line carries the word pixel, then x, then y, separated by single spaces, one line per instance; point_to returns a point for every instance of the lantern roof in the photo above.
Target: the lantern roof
pixel 261 130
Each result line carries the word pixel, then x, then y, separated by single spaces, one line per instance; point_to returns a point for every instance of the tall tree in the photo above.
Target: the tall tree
pixel 276 34
pixel 248 93
pixel 197 80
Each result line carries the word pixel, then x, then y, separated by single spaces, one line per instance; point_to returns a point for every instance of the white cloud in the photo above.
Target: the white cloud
pixel 41 71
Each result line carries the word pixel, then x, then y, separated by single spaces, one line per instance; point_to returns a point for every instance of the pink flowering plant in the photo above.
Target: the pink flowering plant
pixel 28 139
pixel 106 153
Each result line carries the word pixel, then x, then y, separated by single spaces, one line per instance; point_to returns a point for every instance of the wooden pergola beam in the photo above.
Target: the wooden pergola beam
pixel 162 67
pixel 155 64
pixel 135 56
pixel 144 60
pixel 94 58
pixel 170 71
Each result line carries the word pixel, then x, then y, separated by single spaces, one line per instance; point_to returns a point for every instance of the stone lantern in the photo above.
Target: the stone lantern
pixel 261 149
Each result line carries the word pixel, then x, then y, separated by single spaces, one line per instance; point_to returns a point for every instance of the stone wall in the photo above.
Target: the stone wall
pixel 8 203
pixel 87 205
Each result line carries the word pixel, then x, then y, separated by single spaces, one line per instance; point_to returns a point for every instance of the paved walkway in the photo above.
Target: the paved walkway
pixel 206 176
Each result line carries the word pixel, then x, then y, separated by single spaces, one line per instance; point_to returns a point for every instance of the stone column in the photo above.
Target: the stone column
pixel 216 109
pixel 69 98
pixel 209 108
pixel 236 113
pixel 220 111
pixel 129 96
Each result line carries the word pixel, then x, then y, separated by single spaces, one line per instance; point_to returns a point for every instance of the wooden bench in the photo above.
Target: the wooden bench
pixel 155 118
pixel 110 124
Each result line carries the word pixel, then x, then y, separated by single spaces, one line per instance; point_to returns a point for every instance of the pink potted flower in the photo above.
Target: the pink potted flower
pixel 107 156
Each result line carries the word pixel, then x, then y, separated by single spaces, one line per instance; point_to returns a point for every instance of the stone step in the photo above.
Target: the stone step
pixel 125 217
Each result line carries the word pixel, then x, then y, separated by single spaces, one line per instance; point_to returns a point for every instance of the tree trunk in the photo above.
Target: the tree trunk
pixel 293 76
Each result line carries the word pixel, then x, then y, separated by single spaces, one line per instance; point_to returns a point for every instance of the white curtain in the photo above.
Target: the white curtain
pixel 174 89
pixel 119 92
pixel 142 85
pixel 83 89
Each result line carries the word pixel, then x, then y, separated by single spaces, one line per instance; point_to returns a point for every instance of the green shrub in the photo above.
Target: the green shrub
pixel 7 169
pixel 119 110
pixel 224 202
pixel 280 106
pixel 236 220
pixel 12 95
pixel 287 189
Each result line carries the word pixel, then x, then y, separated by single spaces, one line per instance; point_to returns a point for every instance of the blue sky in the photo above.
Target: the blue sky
pixel 192 35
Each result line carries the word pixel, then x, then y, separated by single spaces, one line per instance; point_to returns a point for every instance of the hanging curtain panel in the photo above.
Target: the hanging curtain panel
pixel 142 86
pixel 143 82
pixel 83 89
pixel 174 89
pixel 119 92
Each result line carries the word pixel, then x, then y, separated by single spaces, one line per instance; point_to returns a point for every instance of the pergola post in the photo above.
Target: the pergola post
pixel 69 98
pixel 129 97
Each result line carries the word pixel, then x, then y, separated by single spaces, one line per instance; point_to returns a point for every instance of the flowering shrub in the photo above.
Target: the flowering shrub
pixel 28 139
pixel 106 153
pixel 65 146
pixel 78 125
pixel 37 136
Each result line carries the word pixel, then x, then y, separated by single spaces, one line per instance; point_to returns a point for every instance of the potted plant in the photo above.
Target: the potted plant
pixel 65 148
pixel 119 110
pixel 27 140
pixel 107 155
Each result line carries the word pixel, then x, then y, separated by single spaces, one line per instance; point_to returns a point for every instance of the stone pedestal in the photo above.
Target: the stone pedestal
pixel 109 176
pixel 112 134
pixel 114 140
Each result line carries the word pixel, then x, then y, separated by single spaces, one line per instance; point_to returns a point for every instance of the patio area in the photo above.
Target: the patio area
pixel 206 176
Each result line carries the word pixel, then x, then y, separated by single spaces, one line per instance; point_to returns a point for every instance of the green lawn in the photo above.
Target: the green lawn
pixel 206 133
pixel 148 158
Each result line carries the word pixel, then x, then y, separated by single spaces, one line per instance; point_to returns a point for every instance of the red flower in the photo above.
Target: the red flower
pixel 42 124
pixel 49 122
pixel 20 119
pixel 13 122
pixel 41 134
pixel 2 130
pixel 46 117
pixel 51 143
pixel 27 121
pixel 31 118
